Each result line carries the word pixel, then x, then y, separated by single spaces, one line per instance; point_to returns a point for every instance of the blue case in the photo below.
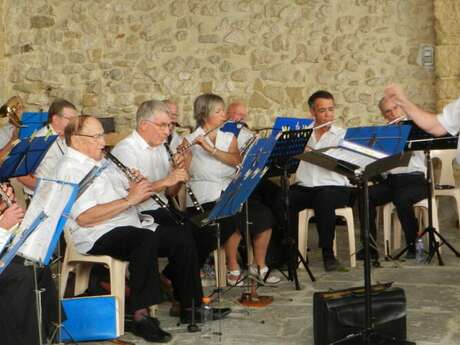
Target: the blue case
pixel 90 318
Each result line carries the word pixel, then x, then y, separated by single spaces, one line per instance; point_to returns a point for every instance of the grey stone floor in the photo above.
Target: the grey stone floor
pixel 433 301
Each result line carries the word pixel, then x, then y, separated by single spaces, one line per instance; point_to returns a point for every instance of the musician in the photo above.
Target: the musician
pixel 60 113
pixel 145 151
pixel 448 121
pixel 18 324
pixel 107 223
pixel 215 156
pixel 9 133
pixel 403 186
pixel 174 139
pixel 318 188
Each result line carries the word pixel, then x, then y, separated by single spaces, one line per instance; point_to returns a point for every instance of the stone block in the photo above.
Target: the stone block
pixel 41 22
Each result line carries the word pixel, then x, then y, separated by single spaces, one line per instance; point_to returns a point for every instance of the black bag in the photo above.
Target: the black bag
pixel 339 313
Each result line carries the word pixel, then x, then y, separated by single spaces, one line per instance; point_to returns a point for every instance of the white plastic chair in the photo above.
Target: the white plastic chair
pixel 81 265
pixel 389 215
pixel 345 212
pixel 446 177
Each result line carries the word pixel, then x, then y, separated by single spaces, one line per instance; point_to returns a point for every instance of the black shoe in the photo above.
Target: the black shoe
pixel 373 253
pixel 216 314
pixel 331 264
pixel 149 329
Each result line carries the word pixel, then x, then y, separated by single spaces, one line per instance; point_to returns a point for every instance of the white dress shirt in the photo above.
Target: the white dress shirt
pixel 450 120
pixel 310 175
pixel 47 166
pixel 175 141
pixel 152 162
pixel 416 165
pixel 6 132
pixel 244 136
pixel 110 185
pixel 209 176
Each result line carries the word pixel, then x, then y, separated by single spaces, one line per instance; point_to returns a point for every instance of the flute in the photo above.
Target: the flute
pixel 176 216
pixel 188 189
pixel 194 142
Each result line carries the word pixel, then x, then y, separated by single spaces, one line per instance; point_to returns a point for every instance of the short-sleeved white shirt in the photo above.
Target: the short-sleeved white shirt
pixel 208 175
pixel 310 175
pixel 6 132
pixel 450 120
pixel 47 166
pixel 110 185
pixel 152 162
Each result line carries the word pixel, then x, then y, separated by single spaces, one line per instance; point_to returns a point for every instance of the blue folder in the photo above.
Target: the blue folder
pixel 32 121
pixel 90 319
pixel 389 140
pixel 232 127
pixel 291 123
pixel 25 157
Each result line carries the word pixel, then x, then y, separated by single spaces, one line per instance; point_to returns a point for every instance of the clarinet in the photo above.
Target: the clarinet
pixel 188 189
pixel 176 216
pixel 4 196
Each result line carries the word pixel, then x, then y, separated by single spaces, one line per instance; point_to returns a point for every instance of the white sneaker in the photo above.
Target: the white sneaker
pixel 235 278
pixel 261 275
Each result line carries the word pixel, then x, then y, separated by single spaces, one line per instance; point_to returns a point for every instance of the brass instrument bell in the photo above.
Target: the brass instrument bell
pixel 13 110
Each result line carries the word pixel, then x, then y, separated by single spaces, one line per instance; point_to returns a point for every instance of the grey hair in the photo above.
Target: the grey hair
pixel 149 109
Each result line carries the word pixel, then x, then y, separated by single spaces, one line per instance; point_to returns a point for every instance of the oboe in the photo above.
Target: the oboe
pixel 188 189
pixel 176 216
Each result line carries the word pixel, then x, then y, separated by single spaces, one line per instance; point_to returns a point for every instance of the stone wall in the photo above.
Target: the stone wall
pixel 447 26
pixel 107 56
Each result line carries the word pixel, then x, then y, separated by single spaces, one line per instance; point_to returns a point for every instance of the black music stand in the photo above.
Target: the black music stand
pixel 419 140
pixel 364 153
pixel 288 145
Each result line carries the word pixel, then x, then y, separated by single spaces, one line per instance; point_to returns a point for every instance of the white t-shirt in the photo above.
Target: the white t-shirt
pixel 110 185
pixel 152 162
pixel 310 175
pixel 47 166
pixel 208 175
pixel 6 132
pixel 450 120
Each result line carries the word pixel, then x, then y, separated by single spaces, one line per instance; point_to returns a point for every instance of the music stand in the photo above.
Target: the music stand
pixel 362 154
pixel 289 144
pixel 32 122
pixel 25 157
pixel 419 140
pixel 238 192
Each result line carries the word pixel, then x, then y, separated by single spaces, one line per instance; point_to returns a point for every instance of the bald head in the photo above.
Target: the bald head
pixel 237 111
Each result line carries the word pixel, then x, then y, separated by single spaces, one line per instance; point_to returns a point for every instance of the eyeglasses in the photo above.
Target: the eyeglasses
pixel 95 136
pixel 163 125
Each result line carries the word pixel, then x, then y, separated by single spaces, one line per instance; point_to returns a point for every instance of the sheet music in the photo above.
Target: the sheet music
pixel 5 237
pixel 51 197
pixel 352 157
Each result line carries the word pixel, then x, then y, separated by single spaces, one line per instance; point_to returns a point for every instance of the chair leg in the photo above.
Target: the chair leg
pixel 302 232
pixel 386 214
pixel 82 273
pixel 220 268
pixel 117 288
pixel 351 236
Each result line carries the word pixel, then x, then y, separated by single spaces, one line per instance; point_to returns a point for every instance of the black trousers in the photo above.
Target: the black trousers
pixel 205 241
pixel 141 248
pixel 18 320
pixel 403 190
pixel 323 200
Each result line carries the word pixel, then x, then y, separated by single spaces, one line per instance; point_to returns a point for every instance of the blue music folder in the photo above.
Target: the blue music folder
pixel 90 318
pixel 238 191
pixel 291 123
pixel 32 122
pixel 232 127
pixel 25 157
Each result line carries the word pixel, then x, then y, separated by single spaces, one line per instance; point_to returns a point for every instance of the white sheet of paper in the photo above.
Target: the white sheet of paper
pixel 51 197
pixel 5 236
pixel 349 156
